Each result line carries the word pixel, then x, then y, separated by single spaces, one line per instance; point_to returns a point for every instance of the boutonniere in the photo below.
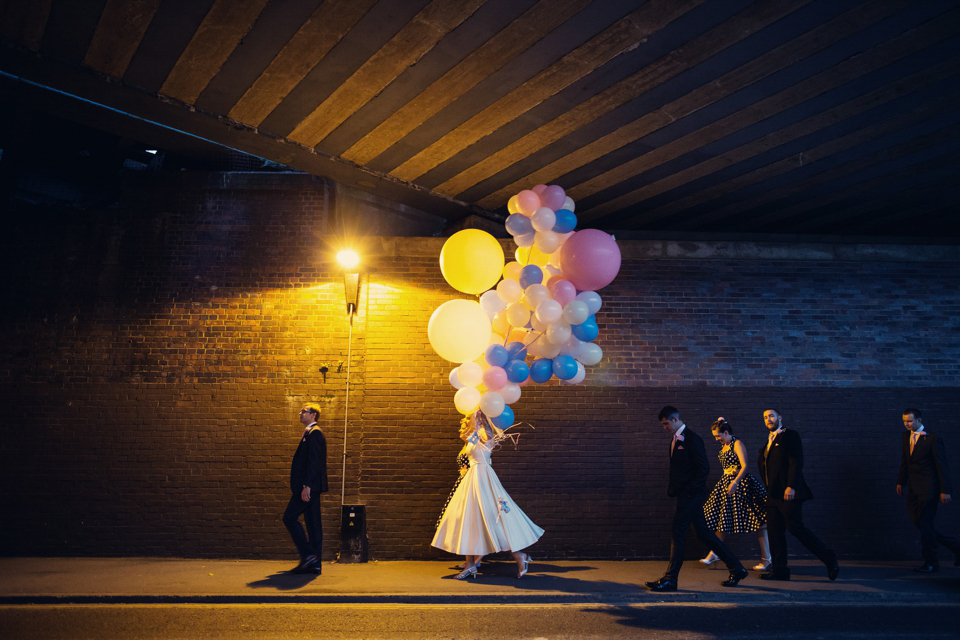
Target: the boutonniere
pixel 679 437
pixel 922 434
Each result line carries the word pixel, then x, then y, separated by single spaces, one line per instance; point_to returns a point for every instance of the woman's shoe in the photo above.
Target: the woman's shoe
pixel 764 565
pixel 467 573
pixel 463 565
pixel 710 559
pixel 526 565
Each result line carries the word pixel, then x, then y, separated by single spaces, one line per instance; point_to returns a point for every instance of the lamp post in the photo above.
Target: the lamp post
pixel 353 538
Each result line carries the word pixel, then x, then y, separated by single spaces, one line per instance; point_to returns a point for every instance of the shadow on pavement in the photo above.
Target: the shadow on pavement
pixel 284 581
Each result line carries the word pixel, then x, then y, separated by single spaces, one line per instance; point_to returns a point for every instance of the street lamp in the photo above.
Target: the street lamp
pixel 353 534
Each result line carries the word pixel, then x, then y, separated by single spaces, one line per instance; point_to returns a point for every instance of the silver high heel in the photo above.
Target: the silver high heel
pixel 764 565
pixel 463 565
pixel 467 573
pixel 526 565
pixel 709 559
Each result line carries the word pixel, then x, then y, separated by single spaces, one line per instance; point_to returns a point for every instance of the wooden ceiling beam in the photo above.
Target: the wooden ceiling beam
pixel 25 22
pixel 620 37
pixel 880 56
pixel 122 26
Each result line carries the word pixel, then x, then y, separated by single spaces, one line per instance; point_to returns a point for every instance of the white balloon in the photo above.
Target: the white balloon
pixel 534 294
pixel 592 298
pixel 546 241
pixel 526 240
pixel 543 219
pixel 572 346
pixel 590 353
pixel 455 379
pixel 511 270
pixel 470 374
pixel 548 349
pixel 509 290
pixel 510 392
pixel 537 325
pixel 568 204
pixel 558 332
pixel 492 403
pixel 576 312
pixel 467 400
pixel 492 302
pixel 578 376
pixel 518 315
pixel 552 270
pixel 549 311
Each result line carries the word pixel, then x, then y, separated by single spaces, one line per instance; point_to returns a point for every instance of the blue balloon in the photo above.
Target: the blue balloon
pixel 565 367
pixel 566 221
pixel 505 419
pixel 518 224
pixel 516 351
pixel 517 371
pixel 530 274
pixel 496 355
pixel 588 331
pixel 542 370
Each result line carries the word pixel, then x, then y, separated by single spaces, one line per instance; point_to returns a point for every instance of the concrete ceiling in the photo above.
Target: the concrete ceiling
pixel 832 117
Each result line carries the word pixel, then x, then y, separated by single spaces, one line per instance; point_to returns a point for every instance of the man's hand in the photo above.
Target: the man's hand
pixel 789 494
pixel 945 498
pixel 899 489
pixel 305 494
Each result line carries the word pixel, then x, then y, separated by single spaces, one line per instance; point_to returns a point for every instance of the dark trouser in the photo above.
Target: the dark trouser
pixel 690 512
pixel 922 512
pixel 311 516
pixel 787 515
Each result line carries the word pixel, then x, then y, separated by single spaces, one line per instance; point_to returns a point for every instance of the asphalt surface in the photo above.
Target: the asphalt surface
pixel 158 581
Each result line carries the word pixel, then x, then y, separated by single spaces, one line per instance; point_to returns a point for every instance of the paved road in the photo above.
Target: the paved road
pixel 352 620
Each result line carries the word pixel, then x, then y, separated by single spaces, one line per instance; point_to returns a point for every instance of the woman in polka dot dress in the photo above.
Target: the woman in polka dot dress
pixel 737 503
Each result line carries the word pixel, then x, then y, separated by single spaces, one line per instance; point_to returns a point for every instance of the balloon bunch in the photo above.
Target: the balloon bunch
pixel 543 309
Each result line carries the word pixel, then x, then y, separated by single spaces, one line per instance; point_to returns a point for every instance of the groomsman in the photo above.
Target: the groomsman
pixel 781 467
pixel 308 479
pixel 924 471
pixel 688 484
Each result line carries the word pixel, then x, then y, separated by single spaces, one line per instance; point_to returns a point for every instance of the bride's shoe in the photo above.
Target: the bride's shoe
pixel 463 565
pixel 710 559
pixel 469 572
pixel 764 565
pixel 526 565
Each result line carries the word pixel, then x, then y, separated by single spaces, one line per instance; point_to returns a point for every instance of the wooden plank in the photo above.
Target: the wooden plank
pixel 806 159
pixel 783 56
pixel 618 38
pixel 882 55
pixel 328 24
pixel 799 129
pixel 25 22
pixel 118 35
pixel 404 49
pixel 218 35
pixel 518 36
pixel 724 35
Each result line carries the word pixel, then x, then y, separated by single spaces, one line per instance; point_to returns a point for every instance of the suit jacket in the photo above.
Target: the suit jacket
pixel 925 472
pixel 309 467
pixel 782 467
pixel 689 466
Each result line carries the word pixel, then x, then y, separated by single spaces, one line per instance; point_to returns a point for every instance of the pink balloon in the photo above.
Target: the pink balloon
pixel 494 378
pixel 539 189
pixel 563 291
pixel 553 197
pixel 528 201
pixel 590 259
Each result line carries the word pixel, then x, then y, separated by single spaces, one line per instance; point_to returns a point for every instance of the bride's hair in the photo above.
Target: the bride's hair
pixel 485 428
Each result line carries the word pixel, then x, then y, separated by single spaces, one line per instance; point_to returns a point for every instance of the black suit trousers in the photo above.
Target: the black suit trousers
pixel 787 515
pixel 922 513
pixel 690 512
pixel 311 516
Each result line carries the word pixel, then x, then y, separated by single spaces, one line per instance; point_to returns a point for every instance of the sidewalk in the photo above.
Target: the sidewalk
pixel 158 580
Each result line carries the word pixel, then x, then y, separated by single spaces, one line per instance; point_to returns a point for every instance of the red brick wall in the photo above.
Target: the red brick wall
pixel 153 359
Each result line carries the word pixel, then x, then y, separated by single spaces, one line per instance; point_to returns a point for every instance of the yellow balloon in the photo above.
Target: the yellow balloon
pixel 513 205
pixel 459 330
pixel 532 255
pixel 471 261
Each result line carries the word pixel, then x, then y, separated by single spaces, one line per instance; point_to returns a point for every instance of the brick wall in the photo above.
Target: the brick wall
pixel 153 359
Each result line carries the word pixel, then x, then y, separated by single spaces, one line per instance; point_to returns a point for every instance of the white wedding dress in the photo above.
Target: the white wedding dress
pixel 481 517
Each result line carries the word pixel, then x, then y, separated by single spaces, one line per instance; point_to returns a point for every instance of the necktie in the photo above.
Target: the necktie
pixel 913 441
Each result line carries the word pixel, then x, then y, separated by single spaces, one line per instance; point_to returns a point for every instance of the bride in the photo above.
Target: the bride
pixel 480 517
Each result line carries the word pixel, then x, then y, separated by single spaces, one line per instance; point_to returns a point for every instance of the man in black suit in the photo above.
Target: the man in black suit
pixel 781 467
pixel 688 484
pixel 308 479
pixel 924 471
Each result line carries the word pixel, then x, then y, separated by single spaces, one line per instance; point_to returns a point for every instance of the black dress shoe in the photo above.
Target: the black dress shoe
pixel 929 567
pixel 663 584
pixel 833 569
pixel 735 578
pixel 776 574
pixel 307 565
